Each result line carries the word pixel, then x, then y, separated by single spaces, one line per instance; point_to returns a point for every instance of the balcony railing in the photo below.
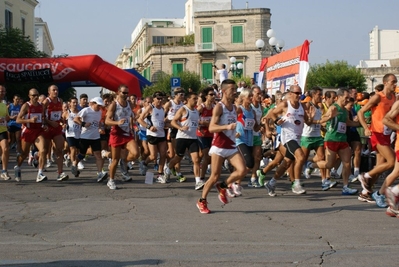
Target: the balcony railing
pixel 205 47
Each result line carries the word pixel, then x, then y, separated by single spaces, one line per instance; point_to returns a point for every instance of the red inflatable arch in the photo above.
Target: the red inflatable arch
pixel 68 69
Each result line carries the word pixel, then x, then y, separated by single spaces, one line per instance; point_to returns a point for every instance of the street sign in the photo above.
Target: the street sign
pixel 175 82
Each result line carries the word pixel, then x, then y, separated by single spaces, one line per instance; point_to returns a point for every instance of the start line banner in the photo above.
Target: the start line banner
pixel 285 69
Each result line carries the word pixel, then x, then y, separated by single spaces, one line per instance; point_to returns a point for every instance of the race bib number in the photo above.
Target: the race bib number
pixel 14 112
pixel 126 123
pixel 76 127
pixel 387 131
pixel 194 124
pixel 38 115
pixel 249 124
pixel 206 119
pixel 231 119
pixel 160 124
pixel 55 115
pixel 341 127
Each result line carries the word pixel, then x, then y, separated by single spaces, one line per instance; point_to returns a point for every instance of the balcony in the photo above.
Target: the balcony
pixel 205 47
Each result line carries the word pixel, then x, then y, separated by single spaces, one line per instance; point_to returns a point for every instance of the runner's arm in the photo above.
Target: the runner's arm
pixel 390 118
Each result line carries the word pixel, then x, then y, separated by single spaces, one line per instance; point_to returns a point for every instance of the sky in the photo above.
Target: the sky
pixel 338 29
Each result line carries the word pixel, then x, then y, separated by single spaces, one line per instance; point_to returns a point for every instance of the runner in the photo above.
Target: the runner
pixel 204 136
pixel 120 117
pixel 143 143
pixel 380 138
pixel 293 116
pixel 31 116
pixel 89 119
pixel 152 119
pixel 4 143
pixel 311 137
pixel 52 106
pixel 186 121
pixel 335 140
pixel 73 134
pixel 14 128
pixel 223 125
pixel 171 107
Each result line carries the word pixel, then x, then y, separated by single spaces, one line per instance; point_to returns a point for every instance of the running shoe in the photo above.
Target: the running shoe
pixel 203 207
pixel 41 177
pixel 48 164
pixel 222 194
pixel 181 178
pixel 80 166
pixel 35 163
pixel 104 154
pixel 353 178
pixel 101 176
pixel 62 177
pixel 230 192
pixel 365 182
pixel 111 184
pixel 5 176
pixel 379 200
pixel 391 198
pixel 199 185
pixel 327 184
pixel 130 165
pixel 270 189
pixel 253 183
pixel 298 189
pixel 365 198
pixel 17 171
pixel 161 179
pixel 126 177
pixel 346 190
pixel 334 174
pixel 308 170
pixel 392 213
pixel 236 189
pixel 74 171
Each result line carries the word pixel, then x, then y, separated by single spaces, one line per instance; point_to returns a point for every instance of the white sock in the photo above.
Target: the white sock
pixel 356 171
pixel 253 179
pixel 197 179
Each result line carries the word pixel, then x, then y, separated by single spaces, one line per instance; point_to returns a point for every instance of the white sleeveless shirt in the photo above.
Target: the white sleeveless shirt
pixel 191 120
pixel 226 138
pixel 157 119
pixel 173 109
pixel 73 129
pixel 292 128
pixel 123 113
pixel 313 130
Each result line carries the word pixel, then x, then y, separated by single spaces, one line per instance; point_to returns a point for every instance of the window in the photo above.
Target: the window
pixel 8 19
pixel 158 39
pixel 236 35
pixel 206 37
pixel 177 68
pixel 23 25
pixel 147 73
pixel 207 72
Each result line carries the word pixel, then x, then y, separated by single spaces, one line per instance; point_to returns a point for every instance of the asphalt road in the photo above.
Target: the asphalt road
pixel 82 223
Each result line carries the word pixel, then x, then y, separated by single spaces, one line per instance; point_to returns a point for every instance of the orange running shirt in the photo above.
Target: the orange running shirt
pixel 378 112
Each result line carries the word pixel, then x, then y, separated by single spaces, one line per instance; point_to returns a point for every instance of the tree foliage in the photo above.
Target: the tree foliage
pixel 13 44
pixel 334 75
pixel 188 80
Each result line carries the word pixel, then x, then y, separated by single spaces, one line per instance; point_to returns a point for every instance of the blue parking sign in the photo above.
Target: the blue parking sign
pixel 175 82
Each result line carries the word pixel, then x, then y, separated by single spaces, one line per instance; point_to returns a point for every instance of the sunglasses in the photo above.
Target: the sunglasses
pixel 159 98
pixel 125 93
pixel 211 94
pixel 297 93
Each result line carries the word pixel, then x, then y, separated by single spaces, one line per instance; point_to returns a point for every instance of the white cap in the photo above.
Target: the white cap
pixel 97 100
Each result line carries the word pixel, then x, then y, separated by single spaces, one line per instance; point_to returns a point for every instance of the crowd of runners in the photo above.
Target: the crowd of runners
pixel 238 128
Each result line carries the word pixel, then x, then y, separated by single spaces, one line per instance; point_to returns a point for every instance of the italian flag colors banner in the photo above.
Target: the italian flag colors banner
pixel 285 69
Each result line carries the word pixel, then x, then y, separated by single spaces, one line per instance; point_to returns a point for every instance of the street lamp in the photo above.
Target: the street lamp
pixel 236 69
pixel 276 45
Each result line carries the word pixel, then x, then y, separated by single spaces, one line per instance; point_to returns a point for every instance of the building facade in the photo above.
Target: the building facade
pixel 198 42
pixel 43 39
pixel 19 14
pixel 384 56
